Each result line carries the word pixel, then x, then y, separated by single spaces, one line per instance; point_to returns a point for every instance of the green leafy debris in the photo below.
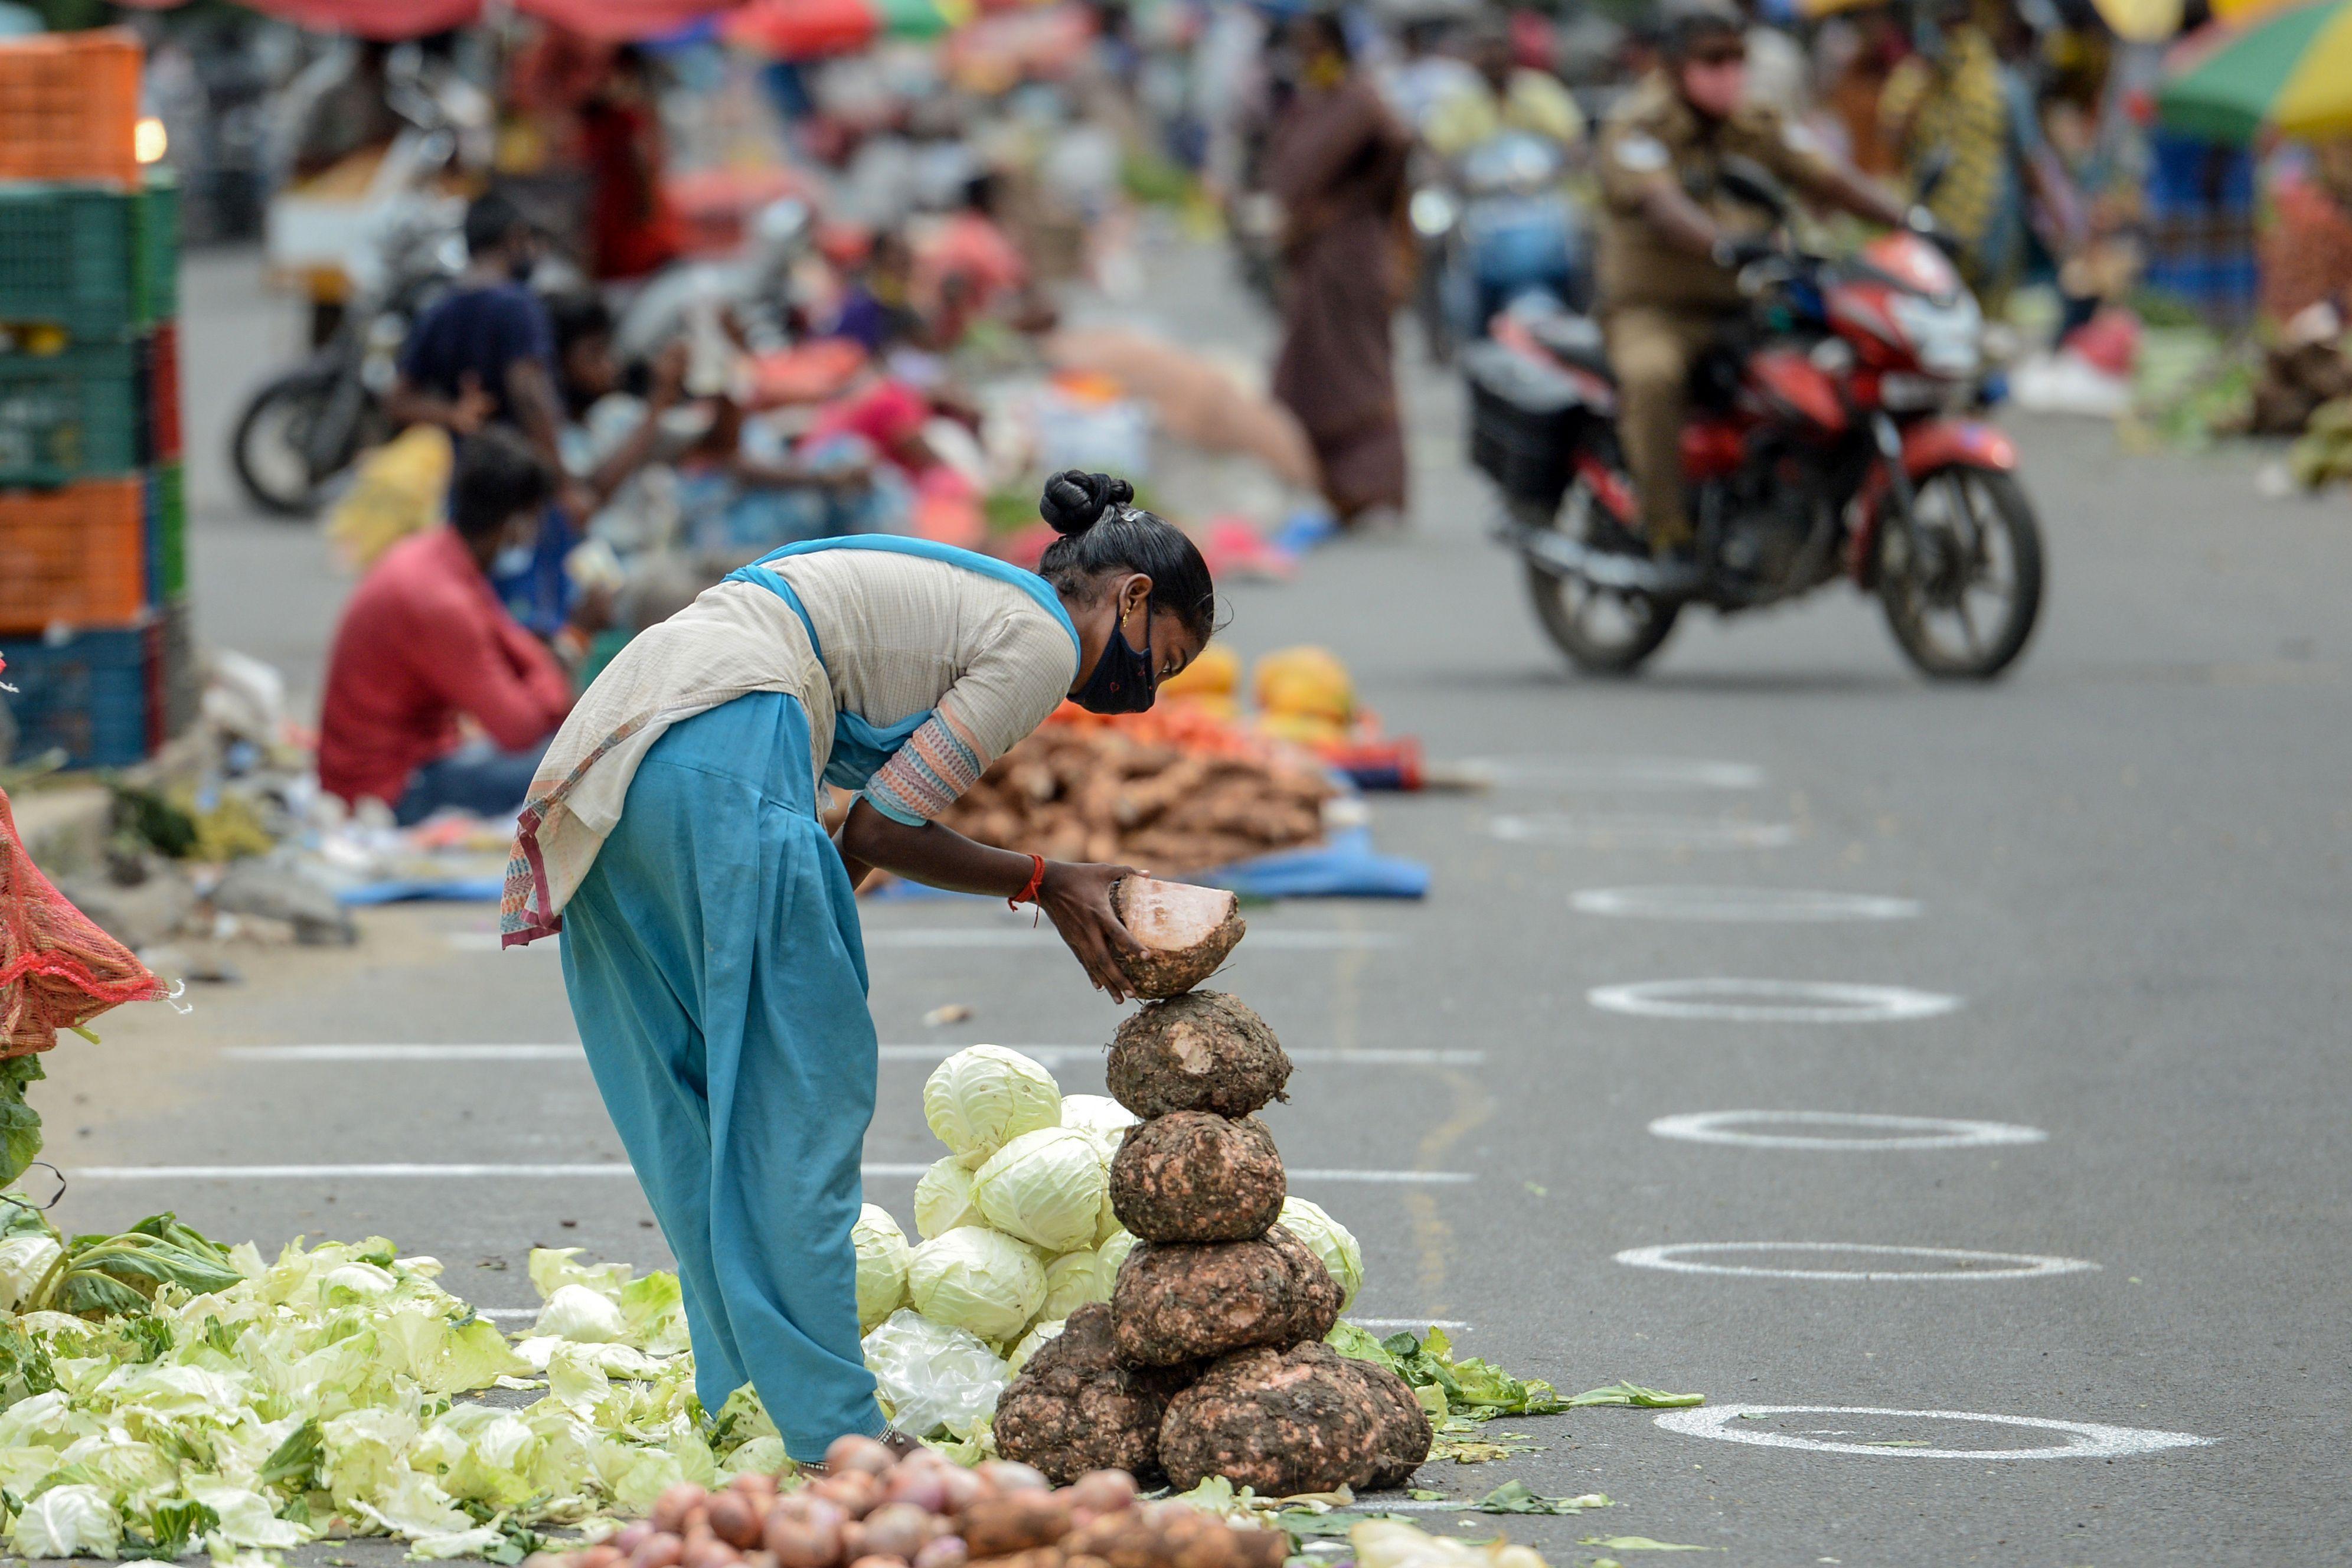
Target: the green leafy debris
pixel 1632 1393
pixel 1517 1497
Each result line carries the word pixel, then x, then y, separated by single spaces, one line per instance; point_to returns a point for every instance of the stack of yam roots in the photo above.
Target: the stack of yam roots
pixel 1085 792
pixel 1209 1359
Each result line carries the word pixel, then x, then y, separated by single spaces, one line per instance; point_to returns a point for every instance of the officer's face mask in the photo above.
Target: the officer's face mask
pixel 1716 84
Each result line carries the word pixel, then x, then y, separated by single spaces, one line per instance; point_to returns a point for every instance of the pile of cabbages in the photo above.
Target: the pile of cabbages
pixel 872 1509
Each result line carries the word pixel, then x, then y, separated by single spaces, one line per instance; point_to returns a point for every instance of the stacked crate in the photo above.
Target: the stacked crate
pixel 93 513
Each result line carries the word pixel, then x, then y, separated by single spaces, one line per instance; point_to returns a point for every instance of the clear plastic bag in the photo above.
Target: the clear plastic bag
pixel 934 1376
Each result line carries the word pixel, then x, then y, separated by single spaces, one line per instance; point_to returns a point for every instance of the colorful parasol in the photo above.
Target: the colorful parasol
pixel 812 29
pixel 2288 70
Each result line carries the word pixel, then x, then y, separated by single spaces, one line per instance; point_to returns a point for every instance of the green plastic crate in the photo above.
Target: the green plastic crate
pixel 73 415
pixel 167 531
pixel 156 248
pixel 69 255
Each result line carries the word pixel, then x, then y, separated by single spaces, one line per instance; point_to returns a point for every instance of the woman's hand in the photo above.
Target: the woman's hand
pixel 1076 898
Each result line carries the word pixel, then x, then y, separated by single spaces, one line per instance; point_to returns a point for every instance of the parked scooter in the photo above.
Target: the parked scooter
pixel 1829 436
pixel 303 428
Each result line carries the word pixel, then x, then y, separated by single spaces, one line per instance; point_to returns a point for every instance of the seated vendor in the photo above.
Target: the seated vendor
pixel 424 641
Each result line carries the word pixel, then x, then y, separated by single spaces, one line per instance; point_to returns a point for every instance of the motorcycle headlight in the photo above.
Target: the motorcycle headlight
pixel 1432 211
pixel 1948 338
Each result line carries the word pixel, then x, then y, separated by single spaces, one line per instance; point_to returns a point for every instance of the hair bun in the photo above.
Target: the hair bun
pixel 1075 500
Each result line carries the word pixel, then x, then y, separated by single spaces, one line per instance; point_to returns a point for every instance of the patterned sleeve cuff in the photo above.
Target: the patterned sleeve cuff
pixel 926 775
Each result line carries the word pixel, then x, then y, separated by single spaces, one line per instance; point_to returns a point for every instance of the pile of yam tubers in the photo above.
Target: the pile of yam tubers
pixel 1076 793
pixel 1209 1359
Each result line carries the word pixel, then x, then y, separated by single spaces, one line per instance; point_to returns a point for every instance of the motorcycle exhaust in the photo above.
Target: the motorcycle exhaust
pixel 1554 552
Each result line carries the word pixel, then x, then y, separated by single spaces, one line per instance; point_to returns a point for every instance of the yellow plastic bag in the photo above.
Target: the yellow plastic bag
pixel 400 490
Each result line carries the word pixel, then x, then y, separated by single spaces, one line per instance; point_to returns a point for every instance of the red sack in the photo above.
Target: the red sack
pixel 58 970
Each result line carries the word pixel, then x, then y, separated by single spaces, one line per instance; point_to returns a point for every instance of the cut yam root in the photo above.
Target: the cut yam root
pixel 1186 932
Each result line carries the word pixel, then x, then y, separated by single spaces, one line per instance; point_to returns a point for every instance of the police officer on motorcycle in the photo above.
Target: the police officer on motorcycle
pixel 1673 243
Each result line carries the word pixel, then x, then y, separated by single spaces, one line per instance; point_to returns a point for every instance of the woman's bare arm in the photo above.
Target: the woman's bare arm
pixel 1074 896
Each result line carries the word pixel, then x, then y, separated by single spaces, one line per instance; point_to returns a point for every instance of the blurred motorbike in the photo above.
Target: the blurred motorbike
pixel 303 427
pixel 750 290
pixel 1829 436
pixel 1499 229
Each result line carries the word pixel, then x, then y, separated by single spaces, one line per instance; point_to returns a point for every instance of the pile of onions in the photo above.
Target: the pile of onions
pixel 870 1509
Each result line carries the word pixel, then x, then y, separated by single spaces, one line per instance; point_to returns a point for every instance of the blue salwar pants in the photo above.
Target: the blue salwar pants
pixel 718 978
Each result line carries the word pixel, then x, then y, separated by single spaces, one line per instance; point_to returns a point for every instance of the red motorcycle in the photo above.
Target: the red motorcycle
pixel 1830 437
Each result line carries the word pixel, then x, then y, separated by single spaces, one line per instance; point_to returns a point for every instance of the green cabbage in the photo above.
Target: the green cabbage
pixel 978 1280
pixel 1328 1240
pixel 882 1253
pixel 67 1521
pixel 984 1097
pixel 1072 1281
pixel 1104 1119
pixel 1032 1341
pixel 1113 1252
pixel 1044 1187
pixel 943 1199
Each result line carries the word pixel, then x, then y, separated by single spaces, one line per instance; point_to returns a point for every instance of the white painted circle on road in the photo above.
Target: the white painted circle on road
pixel 1784 905
pixel 1770 1000
pixel 1684 1258
pixel 1617 773
pixel 1640 830
pixel 2084 1439
pixel 1738 1128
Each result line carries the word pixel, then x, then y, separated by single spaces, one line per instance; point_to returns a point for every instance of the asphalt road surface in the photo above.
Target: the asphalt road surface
pixel 2095 913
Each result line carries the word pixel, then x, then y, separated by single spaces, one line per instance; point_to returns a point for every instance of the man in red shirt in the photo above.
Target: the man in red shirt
pixel 425 639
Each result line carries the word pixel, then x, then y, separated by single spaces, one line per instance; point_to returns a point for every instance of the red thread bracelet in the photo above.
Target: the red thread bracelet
pixel 1028 893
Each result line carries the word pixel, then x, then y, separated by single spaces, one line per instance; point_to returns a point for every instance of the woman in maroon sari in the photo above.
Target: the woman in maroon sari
pixel 1335 159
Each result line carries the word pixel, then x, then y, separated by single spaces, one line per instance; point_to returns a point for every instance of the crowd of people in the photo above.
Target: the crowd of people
pixel 926 207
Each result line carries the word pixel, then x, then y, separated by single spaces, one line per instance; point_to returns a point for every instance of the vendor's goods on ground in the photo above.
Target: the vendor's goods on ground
pixel 1209 1361
pixel 874 1509
pixel 1083 791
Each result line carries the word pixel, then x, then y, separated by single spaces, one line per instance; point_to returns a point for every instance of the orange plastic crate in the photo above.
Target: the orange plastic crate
pixel 69 106
pixel 76 555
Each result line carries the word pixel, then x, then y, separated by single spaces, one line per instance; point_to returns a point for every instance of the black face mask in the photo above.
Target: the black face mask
pixel 1122 681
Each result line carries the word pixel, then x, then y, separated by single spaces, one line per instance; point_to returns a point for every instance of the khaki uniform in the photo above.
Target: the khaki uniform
pixel 1660 305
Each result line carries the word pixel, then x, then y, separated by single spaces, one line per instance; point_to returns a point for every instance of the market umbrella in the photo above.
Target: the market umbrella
pixel 2289 70
pixel 386 20
pixel 803 29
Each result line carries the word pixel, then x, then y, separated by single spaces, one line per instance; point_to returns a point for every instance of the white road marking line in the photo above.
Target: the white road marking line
pixel 2016 1265
pixel 1046 1056
pixel 1789 905
pixel 394 1171
pixel 409 1053
pixel 1770 1000
pixel 1611 772
pixel 1044 938
pixel 1912 1132
pixel 488 941
pixel 1640 830
pixel 2088 1440
pixel 1048 938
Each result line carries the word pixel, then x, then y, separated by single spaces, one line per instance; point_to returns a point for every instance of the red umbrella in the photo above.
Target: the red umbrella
pixel 803 29
pixel 623 21
pixel 385 20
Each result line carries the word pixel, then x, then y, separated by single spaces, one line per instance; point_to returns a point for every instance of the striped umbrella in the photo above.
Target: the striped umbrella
pixel 2288 70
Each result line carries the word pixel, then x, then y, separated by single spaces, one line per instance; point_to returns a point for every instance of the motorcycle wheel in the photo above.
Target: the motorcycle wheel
pixel 271 447
pixel 1603 631
pixel 1980 555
